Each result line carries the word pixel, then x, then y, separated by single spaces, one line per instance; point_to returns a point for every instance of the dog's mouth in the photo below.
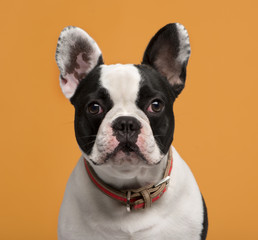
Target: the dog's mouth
pixel 126 150
pixel 128 147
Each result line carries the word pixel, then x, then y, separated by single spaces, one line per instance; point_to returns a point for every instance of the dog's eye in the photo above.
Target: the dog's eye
pixel 94 108
pixel 156 106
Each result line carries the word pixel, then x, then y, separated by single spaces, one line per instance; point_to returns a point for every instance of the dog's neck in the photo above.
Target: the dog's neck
pixel 131 177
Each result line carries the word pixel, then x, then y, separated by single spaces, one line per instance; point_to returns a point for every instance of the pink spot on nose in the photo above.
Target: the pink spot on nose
pixel 113 143
pixel 141 142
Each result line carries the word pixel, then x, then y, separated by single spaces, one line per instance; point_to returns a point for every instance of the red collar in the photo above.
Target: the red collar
pixel 134 198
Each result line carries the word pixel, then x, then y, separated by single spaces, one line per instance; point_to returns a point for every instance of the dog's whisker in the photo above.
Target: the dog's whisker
pixel 159 143
pixel 158 135
pixel 88 143
pixel 88 136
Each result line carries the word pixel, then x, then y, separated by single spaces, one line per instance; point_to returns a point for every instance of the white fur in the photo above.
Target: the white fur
pixel 86 213
pixel 184 44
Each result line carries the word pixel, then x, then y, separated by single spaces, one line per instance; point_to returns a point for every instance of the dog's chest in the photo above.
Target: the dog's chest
pixel 131 229
pixel 150 226
pixel 146 227
pixel 87 213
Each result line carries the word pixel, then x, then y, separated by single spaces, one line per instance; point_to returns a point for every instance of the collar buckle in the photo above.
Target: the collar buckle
pixel 164 180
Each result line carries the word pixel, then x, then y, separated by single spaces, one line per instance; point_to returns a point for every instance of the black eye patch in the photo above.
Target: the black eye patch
pixel 154 88
pixel 87 124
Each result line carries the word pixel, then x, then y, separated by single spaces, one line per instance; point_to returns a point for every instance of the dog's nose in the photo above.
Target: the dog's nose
pixel 126 129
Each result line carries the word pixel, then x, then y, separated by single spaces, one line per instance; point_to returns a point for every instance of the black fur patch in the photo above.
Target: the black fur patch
pixel 205 221
pixel 154 86
pixel 86 125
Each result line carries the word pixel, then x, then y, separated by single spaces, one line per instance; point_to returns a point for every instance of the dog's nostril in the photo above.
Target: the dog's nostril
pixel 132 126
pixel 124 126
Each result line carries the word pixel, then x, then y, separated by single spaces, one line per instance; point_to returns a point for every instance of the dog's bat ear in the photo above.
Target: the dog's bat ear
pixel 168 52
pixel 76 55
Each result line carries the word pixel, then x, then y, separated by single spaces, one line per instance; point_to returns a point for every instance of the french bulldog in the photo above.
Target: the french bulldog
pixel 129 183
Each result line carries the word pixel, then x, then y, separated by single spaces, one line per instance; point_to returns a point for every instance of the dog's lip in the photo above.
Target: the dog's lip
pixel 126 148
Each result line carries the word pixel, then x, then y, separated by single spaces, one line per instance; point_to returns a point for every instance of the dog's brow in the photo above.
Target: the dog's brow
pixel 103 93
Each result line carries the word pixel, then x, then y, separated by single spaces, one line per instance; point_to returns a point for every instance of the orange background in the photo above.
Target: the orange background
pixel 216 115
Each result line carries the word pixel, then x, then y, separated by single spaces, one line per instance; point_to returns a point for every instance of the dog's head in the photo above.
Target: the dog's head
pixel 123 113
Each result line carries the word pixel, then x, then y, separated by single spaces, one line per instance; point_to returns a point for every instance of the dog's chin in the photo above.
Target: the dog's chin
pixel 123 158
pixel 126 163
